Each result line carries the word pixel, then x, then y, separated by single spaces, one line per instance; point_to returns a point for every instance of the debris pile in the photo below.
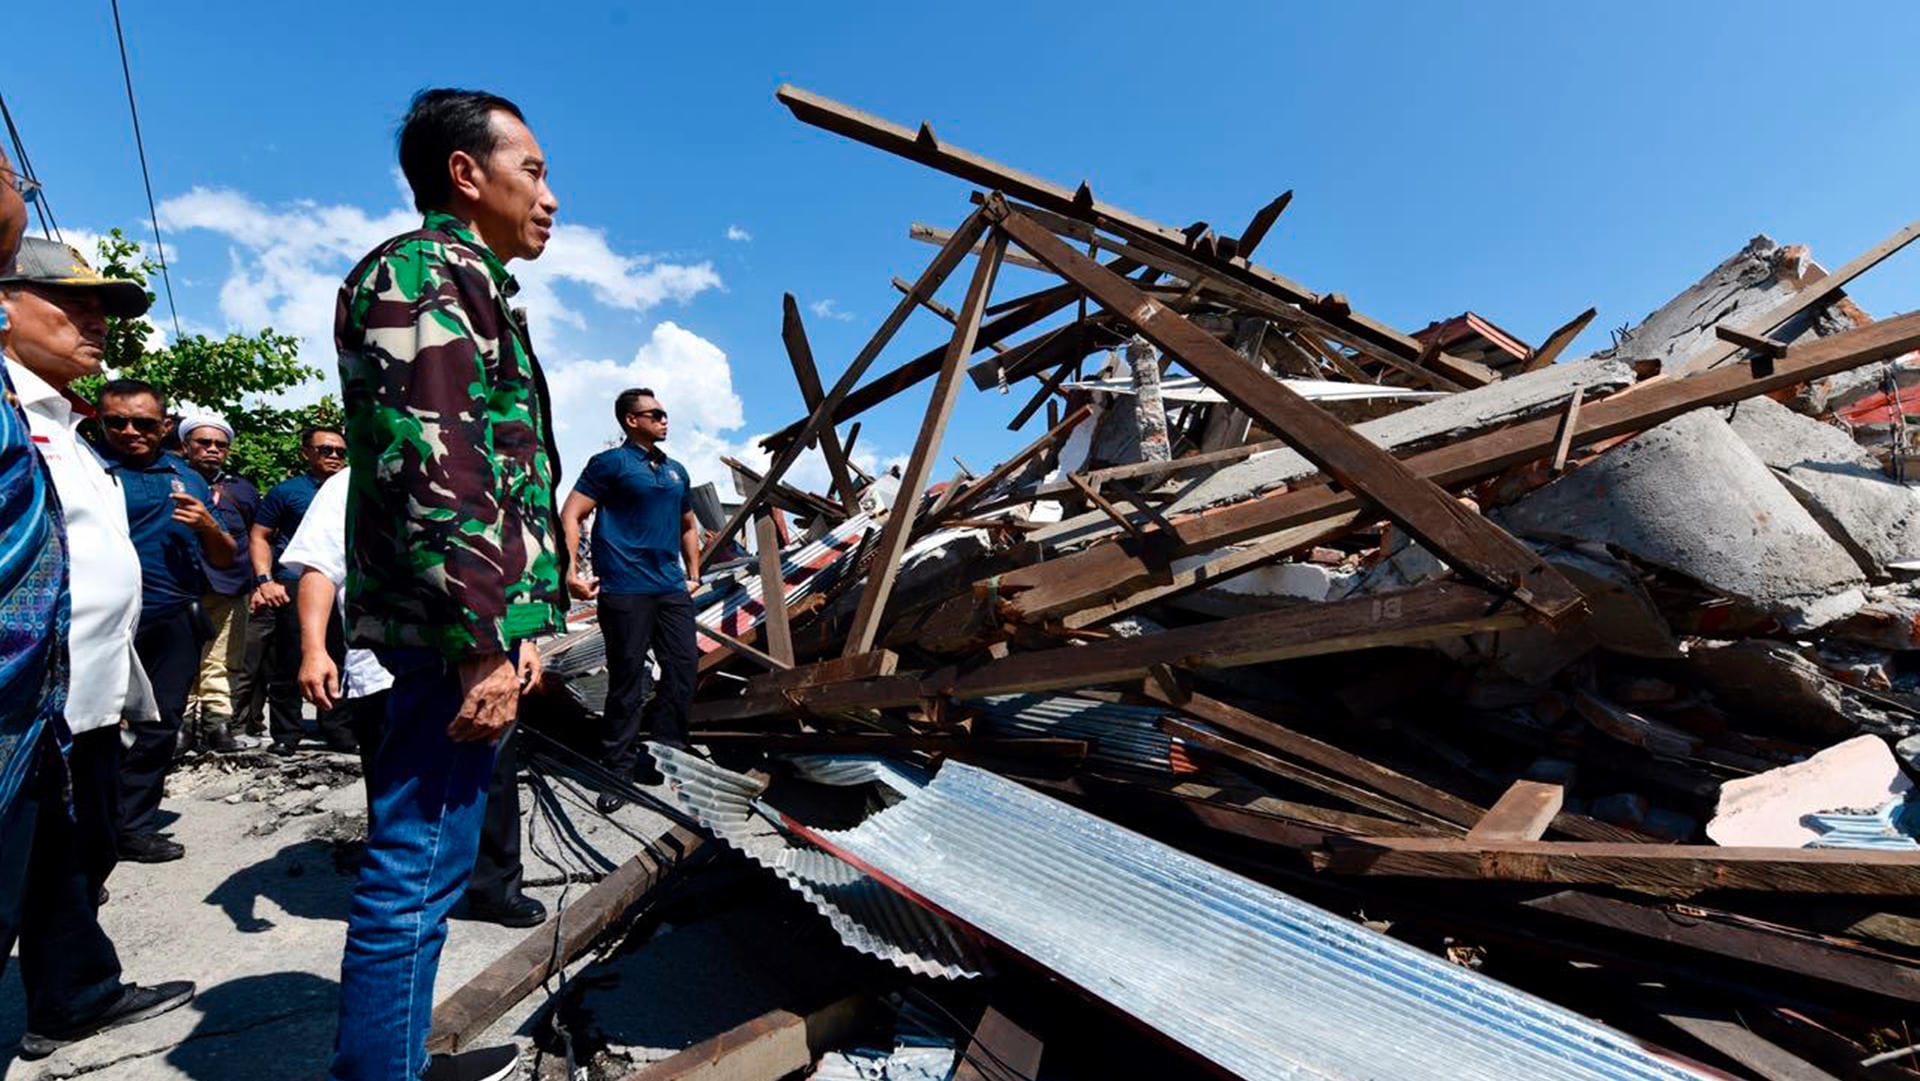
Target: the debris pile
pixel 1330 701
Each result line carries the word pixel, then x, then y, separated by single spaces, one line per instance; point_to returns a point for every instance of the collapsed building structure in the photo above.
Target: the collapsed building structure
pixel 1329 701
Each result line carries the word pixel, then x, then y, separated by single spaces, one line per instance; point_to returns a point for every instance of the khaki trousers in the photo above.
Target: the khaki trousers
pixel 213 691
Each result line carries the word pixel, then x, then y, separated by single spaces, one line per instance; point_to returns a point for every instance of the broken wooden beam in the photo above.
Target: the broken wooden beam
pixel 774 1045
pixel 793 333
pixel 1557 342
pixel 467 1013
pixel 1632 866
pixel 1522 813
pixel 773 590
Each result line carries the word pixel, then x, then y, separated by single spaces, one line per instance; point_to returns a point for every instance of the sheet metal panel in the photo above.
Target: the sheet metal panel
pixel 1253 981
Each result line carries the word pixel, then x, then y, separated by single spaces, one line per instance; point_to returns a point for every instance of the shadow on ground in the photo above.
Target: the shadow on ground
pixel 310 879
pixel 276 1025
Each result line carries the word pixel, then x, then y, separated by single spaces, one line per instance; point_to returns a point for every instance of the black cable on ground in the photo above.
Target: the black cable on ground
pixel 139 144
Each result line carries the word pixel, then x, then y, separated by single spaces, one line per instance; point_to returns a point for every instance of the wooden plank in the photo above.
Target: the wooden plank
pixel 984 486
pixel 774 1045
pixel 793 334
pixel 1360 770
pixel 784 494
pixel 1522 813
pixel 1633 866
pixel 1466 540
pixel 1436 610
pixel 741 648
pixel 898 529
pixel 880 662
pixel 1766 347
pixel 934 305
pixel 935 235
pixel 1064 584
pixel 773 591
pixel 1569 423
pixel 1723 1031
pixel 1262 222
pixel 1806 297
pixel 1828 964
pixel 1044 396
pixel 467 1013
pixel 1273 766
pixel 963 747
pixel 1557 342
pixel 1334 357
pixel 999 1051
pixel 928 283
pixel 1101 503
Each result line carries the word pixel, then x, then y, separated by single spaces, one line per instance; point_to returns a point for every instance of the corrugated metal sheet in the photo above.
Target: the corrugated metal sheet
pixel 1259 984
pixel 1119 735
pixel 865 914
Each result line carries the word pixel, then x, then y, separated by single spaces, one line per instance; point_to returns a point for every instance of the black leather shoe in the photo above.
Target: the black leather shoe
pixel 343 742
pixel 136 1003
pixel 516 911
pixel 284 749
pixel 150 848
pixel 607 803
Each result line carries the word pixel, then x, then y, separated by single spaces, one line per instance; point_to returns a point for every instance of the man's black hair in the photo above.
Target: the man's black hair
pixel 439 122
pixel 625 402
pixel 130 388
pixel 307 433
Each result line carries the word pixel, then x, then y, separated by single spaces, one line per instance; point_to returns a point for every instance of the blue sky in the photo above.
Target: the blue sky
pixel 1521 160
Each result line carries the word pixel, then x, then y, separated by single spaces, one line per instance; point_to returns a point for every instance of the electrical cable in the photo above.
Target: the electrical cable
pixel 49 227
pixel 966 1036
pixel 153 215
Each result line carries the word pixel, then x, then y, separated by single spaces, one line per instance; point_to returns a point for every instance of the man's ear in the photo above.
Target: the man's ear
pixel 465 173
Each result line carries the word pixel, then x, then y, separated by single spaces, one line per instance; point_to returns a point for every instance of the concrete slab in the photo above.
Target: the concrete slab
pixel 1876 518
pixel 1691 497
pixel 255 914
pixel 1769 809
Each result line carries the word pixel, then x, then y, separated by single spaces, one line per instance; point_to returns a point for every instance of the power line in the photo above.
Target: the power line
pixel 153 215
pixel 49 227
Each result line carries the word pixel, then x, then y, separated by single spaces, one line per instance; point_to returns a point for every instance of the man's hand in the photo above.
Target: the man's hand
pixel 530 669
pixel 489 695
pixel 583 589
pixel 319 678
pixel 192 513
pixel 267 594
pixel 693 585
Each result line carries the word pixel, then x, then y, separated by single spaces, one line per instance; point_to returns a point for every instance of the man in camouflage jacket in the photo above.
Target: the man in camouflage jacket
pixel 451 542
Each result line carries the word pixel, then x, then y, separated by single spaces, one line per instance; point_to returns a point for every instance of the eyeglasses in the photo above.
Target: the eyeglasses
pixel 144 425
pixel 28 188
pixel 201 441
pixel 328 450
pixel 656 414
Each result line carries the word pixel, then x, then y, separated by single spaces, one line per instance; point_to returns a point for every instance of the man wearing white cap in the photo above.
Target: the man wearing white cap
pixel 206 440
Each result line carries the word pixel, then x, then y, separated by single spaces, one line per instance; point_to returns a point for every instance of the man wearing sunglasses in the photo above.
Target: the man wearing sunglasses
pixel 646 559
pixel 57 843
pixel 276 624
pixel 173 532
pixel 207 440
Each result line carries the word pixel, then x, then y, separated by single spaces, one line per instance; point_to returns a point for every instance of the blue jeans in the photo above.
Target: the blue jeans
pixel 428 796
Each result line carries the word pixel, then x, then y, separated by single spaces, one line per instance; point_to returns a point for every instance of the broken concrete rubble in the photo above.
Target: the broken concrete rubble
pixel 1691 497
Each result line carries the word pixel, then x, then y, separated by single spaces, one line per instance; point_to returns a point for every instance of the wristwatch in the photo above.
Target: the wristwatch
pixel 262 579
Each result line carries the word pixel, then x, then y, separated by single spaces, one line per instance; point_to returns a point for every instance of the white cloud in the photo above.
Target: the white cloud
pixel 286 262
pixel 738 235
pixel 830 309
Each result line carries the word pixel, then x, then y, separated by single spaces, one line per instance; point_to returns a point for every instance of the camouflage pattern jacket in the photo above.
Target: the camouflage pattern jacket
pixel 451 526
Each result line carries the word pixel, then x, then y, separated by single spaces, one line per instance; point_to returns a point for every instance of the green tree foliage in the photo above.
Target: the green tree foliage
pixel 237 376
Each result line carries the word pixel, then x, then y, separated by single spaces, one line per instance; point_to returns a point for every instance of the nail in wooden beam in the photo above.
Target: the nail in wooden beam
pixel 913 480
pixel 1523 813
pixel 943 264
pixel 1463 538
pixel 793 333
pixel 1557 342
pixel 1569 424
pixel 773 590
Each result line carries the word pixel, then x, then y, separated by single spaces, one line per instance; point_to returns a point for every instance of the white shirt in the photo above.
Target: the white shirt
pixel 106 681
pixel 320 544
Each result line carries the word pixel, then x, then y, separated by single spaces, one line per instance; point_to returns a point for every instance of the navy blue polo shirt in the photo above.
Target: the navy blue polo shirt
pixel 171 573
pixel 235 503
pixel 636 528
pixel 281 511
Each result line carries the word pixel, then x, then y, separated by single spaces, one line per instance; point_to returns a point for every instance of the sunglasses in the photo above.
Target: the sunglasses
pixel 329 451
pixel 203 442
pixel 656 414
pixel 144 425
